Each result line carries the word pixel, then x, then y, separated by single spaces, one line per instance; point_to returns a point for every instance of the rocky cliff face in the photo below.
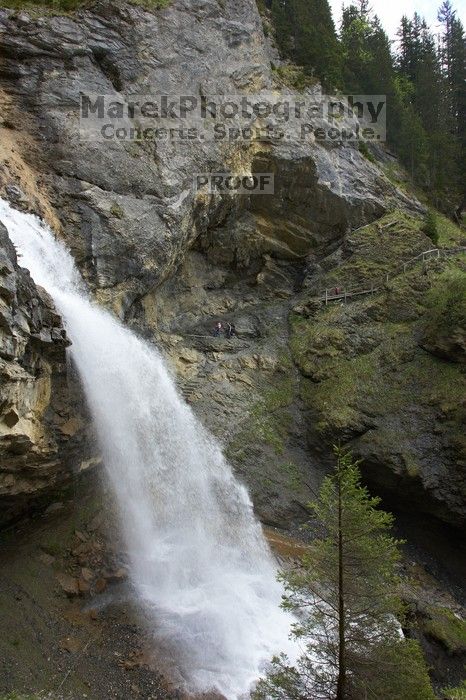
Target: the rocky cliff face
pixel 39 422
pixel 129 210
pixel 171 261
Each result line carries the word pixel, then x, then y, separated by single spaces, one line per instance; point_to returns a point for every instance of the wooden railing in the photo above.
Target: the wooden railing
pixel 340 293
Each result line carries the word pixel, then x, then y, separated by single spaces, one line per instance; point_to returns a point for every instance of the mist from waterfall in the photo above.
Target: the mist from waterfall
pixel 198 559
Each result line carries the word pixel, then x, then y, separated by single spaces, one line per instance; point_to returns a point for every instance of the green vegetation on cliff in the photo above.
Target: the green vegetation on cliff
pixel 424 81
pixel 385 373
pixel 445 318
pixel 305 32
pixel 456 693
pixel 269 418
pixel 446 627
pixel 63 6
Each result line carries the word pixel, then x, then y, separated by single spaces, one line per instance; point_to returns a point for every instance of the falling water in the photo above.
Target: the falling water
pixel 198 559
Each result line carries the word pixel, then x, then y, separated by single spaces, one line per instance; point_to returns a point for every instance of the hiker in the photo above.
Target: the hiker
pixel 218 329
pixel 230 330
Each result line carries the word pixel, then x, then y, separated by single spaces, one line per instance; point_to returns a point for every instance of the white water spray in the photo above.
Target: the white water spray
pixel 199 561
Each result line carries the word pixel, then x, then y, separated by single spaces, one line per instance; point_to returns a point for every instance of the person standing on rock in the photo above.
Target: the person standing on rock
pixel 218 329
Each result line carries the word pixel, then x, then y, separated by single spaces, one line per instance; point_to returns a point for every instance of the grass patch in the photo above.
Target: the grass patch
pixel 279 395
pixel 364 151
pixel 446 300
pixel 450 235
pixel 377 253
pixel 383 382
pixel 336 399
pixel 293 77
pixel 377 249
pixel 269 421
pixel 445 318
pixel 117 211
pixel 47 6
pixel 151 4
pixel 293 476
pixel 458 693
pixel 365 367
pixel 316 344
pixel 398 176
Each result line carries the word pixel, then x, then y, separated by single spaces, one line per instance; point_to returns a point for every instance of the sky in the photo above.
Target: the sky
pixel 391 11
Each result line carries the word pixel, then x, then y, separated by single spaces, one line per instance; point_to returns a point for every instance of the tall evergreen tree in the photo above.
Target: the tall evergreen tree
pixel 405 60
pixel 453 66
pixel 368 62
pixel 306 34
pixel 345 598
pixel 446 16
pixel 425 84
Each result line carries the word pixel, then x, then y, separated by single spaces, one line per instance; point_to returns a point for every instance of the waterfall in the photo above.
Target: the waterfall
pixel 199 563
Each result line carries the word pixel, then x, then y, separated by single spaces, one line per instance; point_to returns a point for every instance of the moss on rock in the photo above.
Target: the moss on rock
pixel 367 378
pixel 447 628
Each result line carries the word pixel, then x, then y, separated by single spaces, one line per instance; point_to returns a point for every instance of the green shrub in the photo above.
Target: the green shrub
pixel 445 317
pixel 430 226
pixel 450 630
pixel 364 151
pixel 294 77
pixel 117 211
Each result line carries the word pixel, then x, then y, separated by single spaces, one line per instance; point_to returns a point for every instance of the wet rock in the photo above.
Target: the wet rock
pixel 100 585
pixel 71 645
pixel 83 549
pixel 83 586
pixel 87 575
pixel 68 584
pixel 116 576
pixel 34 392
pixel 96 522
pixel 54 508
pixel 46 559
pixel 15 194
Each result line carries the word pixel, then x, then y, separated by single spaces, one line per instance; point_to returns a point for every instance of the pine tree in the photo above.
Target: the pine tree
pixel 430 226
pixel 345 600
pixel 306 35
pixel 425 84
pixel 405 60
pixel 426 137
pixel 453 66
pixel 354 34
pixel 446 16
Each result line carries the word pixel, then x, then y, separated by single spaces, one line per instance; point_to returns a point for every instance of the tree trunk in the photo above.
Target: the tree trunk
pixel 341 682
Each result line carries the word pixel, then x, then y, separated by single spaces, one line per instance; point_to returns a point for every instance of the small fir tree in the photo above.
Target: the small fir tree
pixel 344 596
